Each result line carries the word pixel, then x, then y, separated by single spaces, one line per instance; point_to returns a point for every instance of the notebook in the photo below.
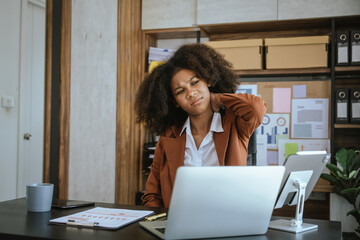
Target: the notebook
pixel 221 201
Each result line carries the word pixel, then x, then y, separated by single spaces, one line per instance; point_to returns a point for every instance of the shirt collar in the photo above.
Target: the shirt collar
pixel 216 124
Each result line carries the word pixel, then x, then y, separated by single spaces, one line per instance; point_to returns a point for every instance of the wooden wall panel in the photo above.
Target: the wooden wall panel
pixel 129 75
pixel 48 63
pixel 65 65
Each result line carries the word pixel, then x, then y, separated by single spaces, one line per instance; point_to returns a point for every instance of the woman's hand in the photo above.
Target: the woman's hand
pixel 215 102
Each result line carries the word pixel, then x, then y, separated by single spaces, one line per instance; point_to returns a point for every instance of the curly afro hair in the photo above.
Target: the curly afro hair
pixel 155 104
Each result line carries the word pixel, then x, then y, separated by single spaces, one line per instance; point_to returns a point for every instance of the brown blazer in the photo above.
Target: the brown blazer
pixel 243 114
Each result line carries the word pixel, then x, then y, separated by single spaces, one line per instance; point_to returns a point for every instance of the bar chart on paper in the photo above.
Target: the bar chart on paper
pixel 274 126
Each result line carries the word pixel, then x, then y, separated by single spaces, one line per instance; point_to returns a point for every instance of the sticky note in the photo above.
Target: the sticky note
pixel 299 91
pixel 291 148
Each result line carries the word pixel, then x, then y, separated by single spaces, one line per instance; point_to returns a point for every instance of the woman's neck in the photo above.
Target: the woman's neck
pixel 200 125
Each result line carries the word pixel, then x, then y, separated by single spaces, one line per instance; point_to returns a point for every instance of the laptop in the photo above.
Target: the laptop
pixel 224 201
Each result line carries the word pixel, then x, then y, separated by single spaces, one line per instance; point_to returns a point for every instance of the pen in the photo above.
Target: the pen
pixel 154 217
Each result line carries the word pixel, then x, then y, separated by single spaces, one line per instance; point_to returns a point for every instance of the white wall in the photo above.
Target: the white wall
pixel 93 100
pixel 9 86
pixel 338 210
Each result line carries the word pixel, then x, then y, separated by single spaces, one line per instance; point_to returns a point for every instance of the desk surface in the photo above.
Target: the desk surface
pixel 17 223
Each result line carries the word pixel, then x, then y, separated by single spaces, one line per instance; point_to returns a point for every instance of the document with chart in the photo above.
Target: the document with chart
pixel 310 118
pixel 105 218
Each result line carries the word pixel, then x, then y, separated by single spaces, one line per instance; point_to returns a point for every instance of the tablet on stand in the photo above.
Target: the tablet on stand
pixel 302 171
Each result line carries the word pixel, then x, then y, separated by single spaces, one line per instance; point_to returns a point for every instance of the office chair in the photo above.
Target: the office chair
pixel 251 159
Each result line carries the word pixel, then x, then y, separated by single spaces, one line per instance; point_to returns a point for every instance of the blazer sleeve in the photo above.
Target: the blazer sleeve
pixel 249 111
pixel 153 196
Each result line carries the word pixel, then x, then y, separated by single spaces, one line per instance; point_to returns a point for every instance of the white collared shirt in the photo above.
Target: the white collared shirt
pixel 206 154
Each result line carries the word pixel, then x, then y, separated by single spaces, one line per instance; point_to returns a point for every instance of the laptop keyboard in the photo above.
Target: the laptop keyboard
pixel 160 229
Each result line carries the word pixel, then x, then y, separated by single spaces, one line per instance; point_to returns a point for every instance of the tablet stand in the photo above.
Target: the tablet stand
pixel 296 183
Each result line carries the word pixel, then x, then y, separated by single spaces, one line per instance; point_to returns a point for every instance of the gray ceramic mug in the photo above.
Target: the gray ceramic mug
pixel 39 197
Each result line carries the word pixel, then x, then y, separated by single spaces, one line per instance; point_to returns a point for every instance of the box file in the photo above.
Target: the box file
pixel 355 47
pixel 342 48
pixel 341 105
pixel 355 105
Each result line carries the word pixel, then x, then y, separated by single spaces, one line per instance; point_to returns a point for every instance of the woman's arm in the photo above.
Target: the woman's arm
pixel 249 110
pixel 152 196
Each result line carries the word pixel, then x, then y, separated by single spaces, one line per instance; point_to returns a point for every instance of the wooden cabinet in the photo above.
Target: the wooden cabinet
pixel 159 14
pixel 293 9
pixel 235 11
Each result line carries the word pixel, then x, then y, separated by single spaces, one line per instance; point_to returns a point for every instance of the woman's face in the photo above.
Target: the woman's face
pixel 190 93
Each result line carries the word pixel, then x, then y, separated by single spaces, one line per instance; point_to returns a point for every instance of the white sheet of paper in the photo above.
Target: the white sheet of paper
pixel 261 150
pixel 111 218
pixel 247 88
pixel 310 118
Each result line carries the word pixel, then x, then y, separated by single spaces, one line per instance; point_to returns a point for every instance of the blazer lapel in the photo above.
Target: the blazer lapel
pixel 175 152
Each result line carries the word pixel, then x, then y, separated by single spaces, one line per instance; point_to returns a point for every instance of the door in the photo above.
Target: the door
pixel 31 100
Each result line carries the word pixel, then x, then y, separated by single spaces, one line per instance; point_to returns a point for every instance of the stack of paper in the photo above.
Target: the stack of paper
pixel 159 55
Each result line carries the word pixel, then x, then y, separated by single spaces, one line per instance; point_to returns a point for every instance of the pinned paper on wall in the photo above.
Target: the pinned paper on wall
pixel 274 127
pixel 310 118
pixel 281 100
pixel 299 91
pixel 272 157
pixel 247 88
pixel 261 150
pixel 292 146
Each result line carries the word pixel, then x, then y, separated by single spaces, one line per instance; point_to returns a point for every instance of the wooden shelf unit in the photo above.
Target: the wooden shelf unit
pixel 347 69
pixel 323 186
pixel 345 135
pixel 271 29
pixel 346 125
pixel 191 32
pixel 285 72
pixel 268 29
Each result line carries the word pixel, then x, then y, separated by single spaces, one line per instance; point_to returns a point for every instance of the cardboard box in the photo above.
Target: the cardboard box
pixel 243 54
pixel 298 52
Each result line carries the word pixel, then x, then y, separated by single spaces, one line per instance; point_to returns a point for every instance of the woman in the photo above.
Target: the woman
pixel 189 102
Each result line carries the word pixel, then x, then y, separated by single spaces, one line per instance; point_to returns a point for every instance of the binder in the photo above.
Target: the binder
pixel 341 105
pixel 357 150
pixel 355 105
pixel 342 48
pixel 355 47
